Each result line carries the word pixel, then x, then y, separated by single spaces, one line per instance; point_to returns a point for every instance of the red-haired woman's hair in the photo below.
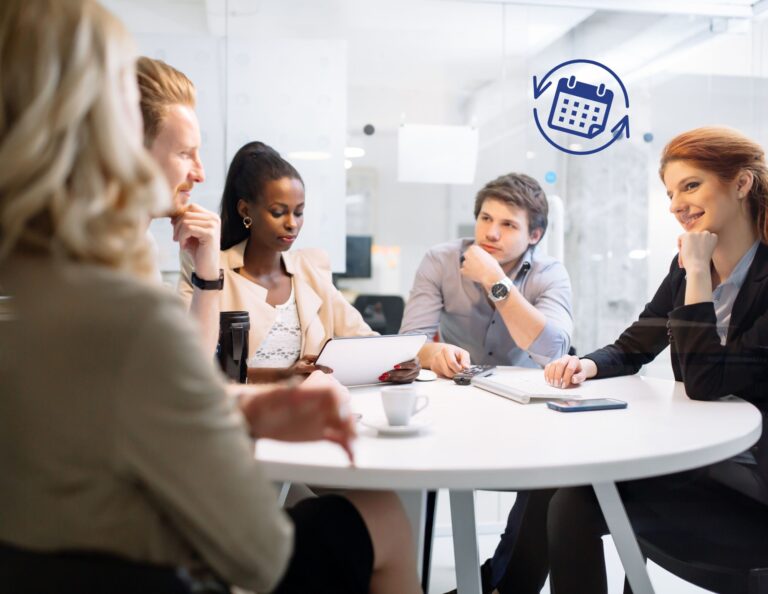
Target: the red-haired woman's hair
pixel 725 152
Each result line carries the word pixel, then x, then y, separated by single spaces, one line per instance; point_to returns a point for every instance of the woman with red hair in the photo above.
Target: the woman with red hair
pixel 712 310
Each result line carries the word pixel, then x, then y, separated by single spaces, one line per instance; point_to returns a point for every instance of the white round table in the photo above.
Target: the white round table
pixel 478 440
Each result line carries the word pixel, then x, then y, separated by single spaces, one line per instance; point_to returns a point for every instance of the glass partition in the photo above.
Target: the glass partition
pixel 330 83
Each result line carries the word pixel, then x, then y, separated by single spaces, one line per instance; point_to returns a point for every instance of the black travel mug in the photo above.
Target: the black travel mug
pixel 232 350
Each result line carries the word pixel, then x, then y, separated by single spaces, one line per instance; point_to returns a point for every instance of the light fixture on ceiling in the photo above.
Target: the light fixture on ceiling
pixel 347 164
pixel 354 152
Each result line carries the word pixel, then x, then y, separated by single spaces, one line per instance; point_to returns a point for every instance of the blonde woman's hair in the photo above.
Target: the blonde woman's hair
pixel 160 86
pixel 76 181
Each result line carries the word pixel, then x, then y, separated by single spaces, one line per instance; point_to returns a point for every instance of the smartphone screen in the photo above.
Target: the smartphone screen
pixel 586 404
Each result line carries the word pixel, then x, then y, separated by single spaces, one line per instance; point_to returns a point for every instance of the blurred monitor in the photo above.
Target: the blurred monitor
pixel 358 257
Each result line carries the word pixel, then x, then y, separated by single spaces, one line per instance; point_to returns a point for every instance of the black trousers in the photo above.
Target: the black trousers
pixel 575 523
pixel 559 532
pixel 520 563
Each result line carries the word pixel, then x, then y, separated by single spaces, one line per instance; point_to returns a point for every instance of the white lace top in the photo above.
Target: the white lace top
pixel 282 346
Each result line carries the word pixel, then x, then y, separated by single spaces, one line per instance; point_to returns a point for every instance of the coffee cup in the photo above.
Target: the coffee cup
pixel 401 403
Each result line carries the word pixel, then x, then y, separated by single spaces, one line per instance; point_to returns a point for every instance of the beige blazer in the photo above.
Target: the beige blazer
pixel 323 311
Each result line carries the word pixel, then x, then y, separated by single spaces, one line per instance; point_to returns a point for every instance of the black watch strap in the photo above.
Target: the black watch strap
pixel 209 285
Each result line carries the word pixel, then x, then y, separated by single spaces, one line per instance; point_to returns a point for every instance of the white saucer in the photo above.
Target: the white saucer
pixel 426 375
pixel 417 425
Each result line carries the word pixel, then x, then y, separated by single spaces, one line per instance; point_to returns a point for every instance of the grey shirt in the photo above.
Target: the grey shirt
pixel 441 298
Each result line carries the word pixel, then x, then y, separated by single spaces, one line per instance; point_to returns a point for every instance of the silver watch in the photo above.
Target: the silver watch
pixel 500 290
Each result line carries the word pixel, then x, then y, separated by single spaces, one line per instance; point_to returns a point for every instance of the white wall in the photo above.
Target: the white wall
pixel 411 217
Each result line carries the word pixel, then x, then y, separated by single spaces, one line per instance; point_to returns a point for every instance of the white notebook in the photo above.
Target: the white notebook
pixel 522 388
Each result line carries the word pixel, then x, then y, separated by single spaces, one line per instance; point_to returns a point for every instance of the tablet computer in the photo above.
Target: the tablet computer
pixel 362 359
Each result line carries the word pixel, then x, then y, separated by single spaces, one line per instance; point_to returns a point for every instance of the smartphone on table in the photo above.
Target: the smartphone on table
pixel 586 404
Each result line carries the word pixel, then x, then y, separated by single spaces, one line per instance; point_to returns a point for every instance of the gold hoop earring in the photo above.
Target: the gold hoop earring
pixel 247 222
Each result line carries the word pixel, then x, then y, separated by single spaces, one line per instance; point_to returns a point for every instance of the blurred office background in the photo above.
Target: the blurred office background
pixel 314 78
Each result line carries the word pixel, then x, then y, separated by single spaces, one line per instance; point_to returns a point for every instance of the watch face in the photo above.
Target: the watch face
pixel 499 290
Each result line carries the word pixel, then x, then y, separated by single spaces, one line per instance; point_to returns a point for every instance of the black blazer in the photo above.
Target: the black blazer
pixel 708 369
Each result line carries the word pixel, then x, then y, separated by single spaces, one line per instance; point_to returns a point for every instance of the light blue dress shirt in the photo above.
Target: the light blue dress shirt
pixel 724 294
pixel 441 298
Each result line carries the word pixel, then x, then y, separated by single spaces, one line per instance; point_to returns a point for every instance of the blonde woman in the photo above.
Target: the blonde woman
pixel 119 448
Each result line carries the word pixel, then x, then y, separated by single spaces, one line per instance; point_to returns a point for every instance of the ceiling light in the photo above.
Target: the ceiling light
pixel 354 152
pixel 347 163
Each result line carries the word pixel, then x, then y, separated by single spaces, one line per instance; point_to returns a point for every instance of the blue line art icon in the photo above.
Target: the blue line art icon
pixel 575 107
pixel 580 108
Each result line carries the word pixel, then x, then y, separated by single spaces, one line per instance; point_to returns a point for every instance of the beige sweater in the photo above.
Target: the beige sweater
pixel 115 432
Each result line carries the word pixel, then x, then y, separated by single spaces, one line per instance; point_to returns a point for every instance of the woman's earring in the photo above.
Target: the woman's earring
pixel 247 222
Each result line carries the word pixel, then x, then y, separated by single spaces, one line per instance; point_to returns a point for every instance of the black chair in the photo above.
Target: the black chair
pixel 383 313
pixel 29 572
pixel 709 535
pixel 729 555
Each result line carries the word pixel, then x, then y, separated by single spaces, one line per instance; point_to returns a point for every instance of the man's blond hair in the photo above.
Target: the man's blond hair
pixel 76 181
pixel 161 86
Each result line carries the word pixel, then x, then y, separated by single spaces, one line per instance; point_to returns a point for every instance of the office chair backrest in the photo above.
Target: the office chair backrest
pixel 383 313
pixel 31 572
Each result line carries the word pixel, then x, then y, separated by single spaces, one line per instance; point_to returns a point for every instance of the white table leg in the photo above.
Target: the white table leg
pixel 623 537
pixel 415 504
pixel 283 494
pixel 465 542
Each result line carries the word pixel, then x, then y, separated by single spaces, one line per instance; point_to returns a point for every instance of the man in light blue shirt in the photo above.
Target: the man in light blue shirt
pixel 495 301
pixel 493 298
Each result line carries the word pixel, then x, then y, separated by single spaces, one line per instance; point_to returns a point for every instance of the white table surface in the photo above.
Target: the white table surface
pixel 477 440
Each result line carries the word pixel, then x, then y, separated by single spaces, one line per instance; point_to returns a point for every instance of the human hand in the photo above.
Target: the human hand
pixel 306 365
pixel 198 232
pixel 480 267
pixel 568 371
pixel 309 412
pixel 320 380
pixel 695 250
pixel 449 360
pixel 403 373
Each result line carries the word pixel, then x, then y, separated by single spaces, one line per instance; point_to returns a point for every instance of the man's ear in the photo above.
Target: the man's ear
pixel 242 208
pixel 535 236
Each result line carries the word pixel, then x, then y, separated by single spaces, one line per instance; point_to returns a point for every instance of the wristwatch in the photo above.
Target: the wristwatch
pixel 209 285
pixel 500 290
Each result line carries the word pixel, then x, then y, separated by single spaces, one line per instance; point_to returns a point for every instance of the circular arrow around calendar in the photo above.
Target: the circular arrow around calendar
pixel 586 107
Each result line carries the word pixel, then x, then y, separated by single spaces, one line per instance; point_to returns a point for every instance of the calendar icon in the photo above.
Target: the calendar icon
pixel 580 108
